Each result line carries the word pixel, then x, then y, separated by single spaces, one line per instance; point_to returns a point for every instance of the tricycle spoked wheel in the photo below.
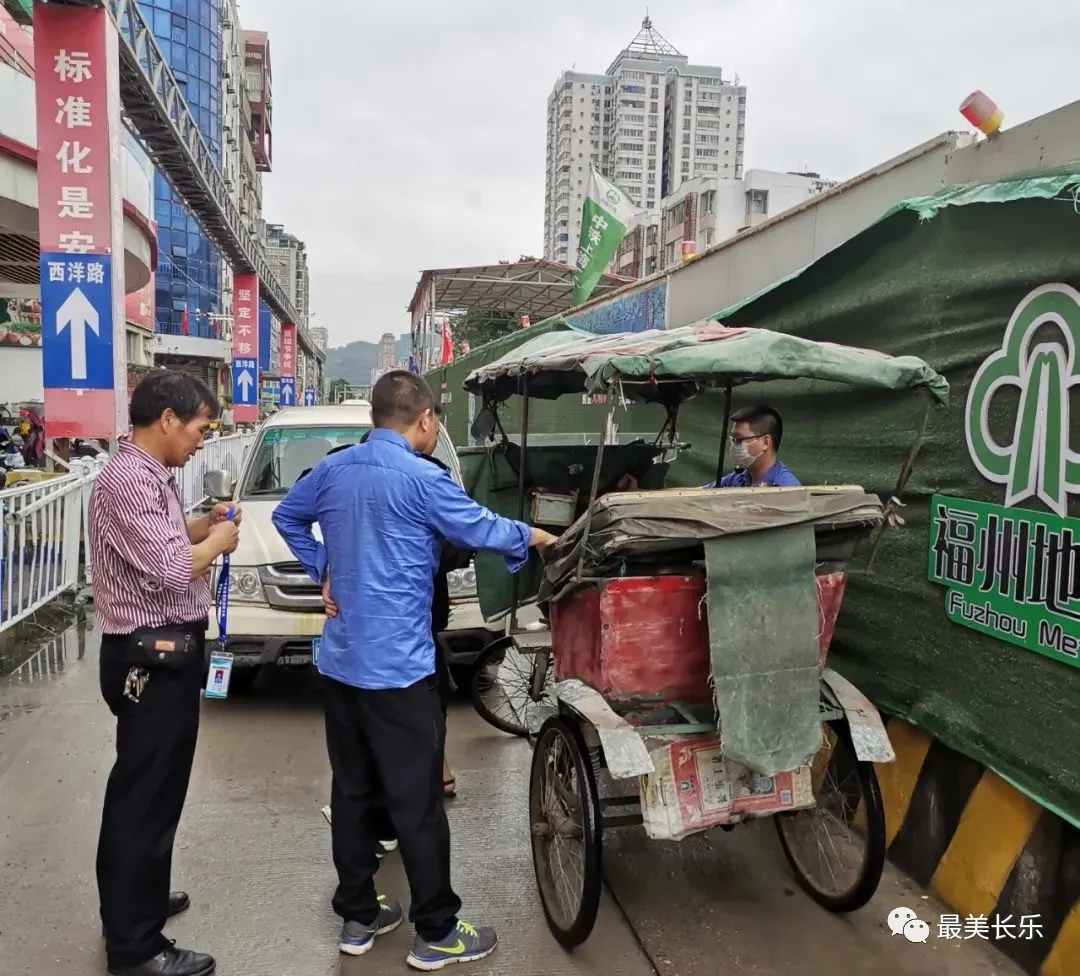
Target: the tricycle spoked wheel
pixel 564 813
pixel 501 686
pixel 837 847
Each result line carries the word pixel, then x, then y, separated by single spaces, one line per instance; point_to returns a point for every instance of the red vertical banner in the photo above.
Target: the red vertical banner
pixel 245 351
pixel 287 350
pixel 80 221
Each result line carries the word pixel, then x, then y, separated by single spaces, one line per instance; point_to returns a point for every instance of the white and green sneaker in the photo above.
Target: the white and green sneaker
pixel 465 943
pixel 357 938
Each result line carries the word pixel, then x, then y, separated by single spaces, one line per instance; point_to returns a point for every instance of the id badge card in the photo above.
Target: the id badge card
pixel 316 644
pixel 217 680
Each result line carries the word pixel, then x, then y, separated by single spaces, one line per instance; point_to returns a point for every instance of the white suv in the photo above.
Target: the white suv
pixel 275 610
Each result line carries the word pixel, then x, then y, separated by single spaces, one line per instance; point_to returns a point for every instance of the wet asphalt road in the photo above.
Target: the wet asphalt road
pixel 253 851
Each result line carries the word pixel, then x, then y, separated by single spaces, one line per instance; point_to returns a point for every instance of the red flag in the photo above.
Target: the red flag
pixel 184 322
pixel 447 353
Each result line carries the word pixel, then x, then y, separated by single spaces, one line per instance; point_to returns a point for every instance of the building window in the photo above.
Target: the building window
pixel 757 202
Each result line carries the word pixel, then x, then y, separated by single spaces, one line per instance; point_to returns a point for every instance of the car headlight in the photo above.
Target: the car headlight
pixel 244 585
pixel 462 583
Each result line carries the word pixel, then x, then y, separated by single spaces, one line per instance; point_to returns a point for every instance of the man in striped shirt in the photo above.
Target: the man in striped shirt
pixel 151 599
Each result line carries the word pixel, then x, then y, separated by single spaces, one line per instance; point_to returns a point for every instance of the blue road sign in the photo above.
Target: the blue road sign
pixel 287 397
pixel 76 321
pixel 245 382
pixel 309 397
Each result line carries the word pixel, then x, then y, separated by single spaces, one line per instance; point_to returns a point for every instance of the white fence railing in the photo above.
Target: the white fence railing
pixel 221 454
pixel 43 527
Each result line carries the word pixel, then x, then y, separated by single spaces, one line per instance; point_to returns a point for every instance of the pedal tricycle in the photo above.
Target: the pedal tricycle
pixel 678 674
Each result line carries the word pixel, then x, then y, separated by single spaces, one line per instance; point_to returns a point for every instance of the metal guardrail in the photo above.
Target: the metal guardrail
pixel 43 527
pixel 39 543
pixel 220 454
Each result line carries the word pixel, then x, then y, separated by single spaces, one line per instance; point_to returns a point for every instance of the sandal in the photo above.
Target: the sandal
pixel 449 788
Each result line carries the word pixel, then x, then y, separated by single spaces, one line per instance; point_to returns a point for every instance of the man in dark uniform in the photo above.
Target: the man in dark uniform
pixel 151 600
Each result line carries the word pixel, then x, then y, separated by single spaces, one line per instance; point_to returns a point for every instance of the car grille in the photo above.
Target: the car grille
pixel 288 587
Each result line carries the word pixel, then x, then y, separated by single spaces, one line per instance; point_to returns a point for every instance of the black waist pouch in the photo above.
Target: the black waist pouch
pixel 174 648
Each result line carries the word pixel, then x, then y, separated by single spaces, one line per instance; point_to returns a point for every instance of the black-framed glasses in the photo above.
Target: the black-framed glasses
pixel 742 440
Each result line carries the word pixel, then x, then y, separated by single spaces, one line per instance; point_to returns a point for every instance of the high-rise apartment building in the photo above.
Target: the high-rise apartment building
pixel 287 257
pixel 387 356
pixel 651 122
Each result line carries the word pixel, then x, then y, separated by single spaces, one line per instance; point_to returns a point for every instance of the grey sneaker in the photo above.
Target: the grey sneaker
pixel 357 938
pixel 465 943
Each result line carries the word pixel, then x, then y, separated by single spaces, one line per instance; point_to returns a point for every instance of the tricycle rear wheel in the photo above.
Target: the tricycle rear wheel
pixel 567 831
pixel 848 816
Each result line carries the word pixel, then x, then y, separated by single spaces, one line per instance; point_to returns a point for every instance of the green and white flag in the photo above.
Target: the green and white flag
pixel 605 216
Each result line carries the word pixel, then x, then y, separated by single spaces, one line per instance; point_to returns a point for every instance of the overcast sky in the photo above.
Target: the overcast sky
pixel 411 134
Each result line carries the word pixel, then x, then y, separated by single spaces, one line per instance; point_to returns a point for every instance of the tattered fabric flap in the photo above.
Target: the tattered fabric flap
pixel 763 633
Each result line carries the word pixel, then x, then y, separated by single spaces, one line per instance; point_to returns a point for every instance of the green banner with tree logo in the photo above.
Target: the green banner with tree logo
pixel 1011 573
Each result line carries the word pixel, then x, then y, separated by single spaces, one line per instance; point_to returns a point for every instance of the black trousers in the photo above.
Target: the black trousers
pixel 384 824
pixel 387 747
pixel 155 747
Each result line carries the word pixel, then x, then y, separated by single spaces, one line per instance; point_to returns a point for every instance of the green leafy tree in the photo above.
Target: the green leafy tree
pixel 337 389
pixel 479 326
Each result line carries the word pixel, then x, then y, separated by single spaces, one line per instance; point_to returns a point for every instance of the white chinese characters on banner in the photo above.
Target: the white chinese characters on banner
pixel 92 273
pixel 73 67
pixel 75 203
pixel 74 112
pixel 288 349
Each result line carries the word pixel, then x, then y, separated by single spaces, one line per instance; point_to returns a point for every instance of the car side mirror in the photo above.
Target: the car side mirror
pixel 483 424
pixel 218 485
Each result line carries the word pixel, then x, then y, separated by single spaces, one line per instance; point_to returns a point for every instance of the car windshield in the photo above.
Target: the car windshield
pixel 285 453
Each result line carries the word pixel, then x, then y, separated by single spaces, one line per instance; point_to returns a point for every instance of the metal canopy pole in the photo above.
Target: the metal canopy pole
pixel 724 435
pixel 522 465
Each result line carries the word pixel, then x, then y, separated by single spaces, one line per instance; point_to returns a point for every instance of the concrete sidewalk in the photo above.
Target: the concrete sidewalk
pixel 253 851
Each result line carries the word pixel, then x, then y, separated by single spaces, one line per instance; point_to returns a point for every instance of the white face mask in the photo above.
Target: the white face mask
pixel 742 456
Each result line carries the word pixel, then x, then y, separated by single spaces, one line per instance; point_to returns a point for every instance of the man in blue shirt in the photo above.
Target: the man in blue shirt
pixel 384 511
pixel 756 433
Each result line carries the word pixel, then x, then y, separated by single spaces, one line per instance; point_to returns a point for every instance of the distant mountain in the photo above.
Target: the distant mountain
pixel 355 361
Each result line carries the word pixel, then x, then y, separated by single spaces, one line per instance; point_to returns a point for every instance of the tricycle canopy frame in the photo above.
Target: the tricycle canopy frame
pixel 672 365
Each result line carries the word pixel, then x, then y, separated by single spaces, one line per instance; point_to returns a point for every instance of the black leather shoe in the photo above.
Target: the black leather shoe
pixel 178 902
pixel 172 962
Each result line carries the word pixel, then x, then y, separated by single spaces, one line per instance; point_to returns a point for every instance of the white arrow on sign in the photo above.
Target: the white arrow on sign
pixel 79 313
pixel 245 382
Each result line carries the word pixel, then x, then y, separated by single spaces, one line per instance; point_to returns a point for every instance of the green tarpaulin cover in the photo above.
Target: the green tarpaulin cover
pixel 763 628
pixel 643 363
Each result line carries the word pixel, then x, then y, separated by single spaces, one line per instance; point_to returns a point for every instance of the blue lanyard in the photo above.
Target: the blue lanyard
pixel 223 594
